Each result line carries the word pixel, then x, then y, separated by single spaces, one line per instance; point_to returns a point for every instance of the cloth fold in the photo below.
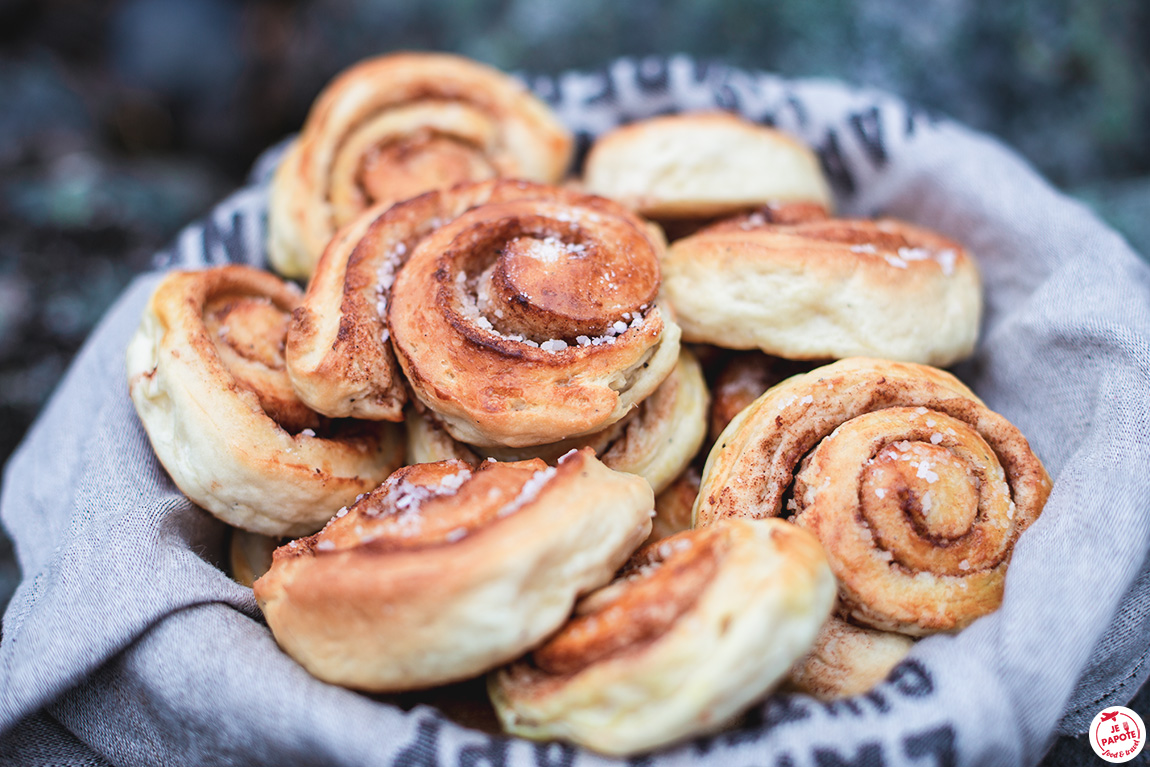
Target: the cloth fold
pixel 125 643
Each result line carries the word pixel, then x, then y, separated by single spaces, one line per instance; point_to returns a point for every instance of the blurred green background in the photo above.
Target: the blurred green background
pixel 121 121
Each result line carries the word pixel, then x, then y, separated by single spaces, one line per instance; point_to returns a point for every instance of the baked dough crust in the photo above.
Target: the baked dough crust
pixel 698 626
pixel 531 314
pixel 338 351
pixel 744 378
pixel 205 372
pixel 916 489
pixel 702 164
pixel 250 555
pixel 826 289
pixel 393 127
pixel 657 440
pixel 674 504
pixel 848 660
pixel 443 573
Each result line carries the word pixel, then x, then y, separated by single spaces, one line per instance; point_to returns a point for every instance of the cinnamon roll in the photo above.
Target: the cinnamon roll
pixel 338 352
pixel 656 440
pixel 531 314
pixel 916 489
pixel 702 164
pixel 206 374
pixel 393 127
pixel 445 571
pixel 696 627
pixel 847 660
pixel 826 289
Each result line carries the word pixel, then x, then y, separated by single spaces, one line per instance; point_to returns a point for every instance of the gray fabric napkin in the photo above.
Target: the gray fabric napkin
pixel 126 643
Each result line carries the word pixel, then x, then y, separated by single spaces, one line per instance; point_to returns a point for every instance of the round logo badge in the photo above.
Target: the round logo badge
pixel 1117 734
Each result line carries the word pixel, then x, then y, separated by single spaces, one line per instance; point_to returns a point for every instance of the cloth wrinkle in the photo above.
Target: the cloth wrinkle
pixel 126 643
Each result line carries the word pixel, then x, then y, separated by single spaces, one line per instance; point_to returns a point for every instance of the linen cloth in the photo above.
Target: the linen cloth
pixel 127 644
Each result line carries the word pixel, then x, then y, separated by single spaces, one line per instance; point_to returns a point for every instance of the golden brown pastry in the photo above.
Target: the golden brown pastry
pixel 674 504
pixel 206 374
pixel 771 212
pixel 393 127
pixel 444 572
pixel 531 314
pixel 696 627
pixel 428 442
pixel 914 487
pixel 847 660
pixel 338 350
pixel 743 379
pixel 702 164
pixel 656 440
pixel 826 289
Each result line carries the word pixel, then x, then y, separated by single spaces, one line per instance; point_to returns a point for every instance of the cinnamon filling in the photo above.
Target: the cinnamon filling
pixel 929 484
pixel 560 274
pixel 437 504
pixel 922 503
pixel 248 333
pixel 930 495
pixel 424 160
pixel 663 581
pixel 782 213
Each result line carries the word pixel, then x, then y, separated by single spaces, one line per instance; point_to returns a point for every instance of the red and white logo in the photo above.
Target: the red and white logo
pixel 1117 734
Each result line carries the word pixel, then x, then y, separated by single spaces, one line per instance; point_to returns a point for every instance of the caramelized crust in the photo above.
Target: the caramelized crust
pixel 772 213
pixel 673 505
pixel 498 316
pixel 826 289
pixel 446 571
pixel 743 380
pixel 656 440
pixel 695 628
pixel 781 213
pixel 338 351
pixel 206 374
pixel 658 585
pixel 917 491
pixel 393 127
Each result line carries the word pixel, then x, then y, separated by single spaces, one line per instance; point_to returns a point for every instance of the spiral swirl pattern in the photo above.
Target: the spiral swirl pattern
pixel 531 314
pixel 917 491
pixel 338 351
pixel 696 626
pixel 393 127
pixel 207 375
pixel 444 571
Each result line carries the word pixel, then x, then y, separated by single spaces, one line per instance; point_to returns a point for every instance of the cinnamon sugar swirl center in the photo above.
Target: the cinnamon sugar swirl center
pixel 410 165
pixel 546 278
